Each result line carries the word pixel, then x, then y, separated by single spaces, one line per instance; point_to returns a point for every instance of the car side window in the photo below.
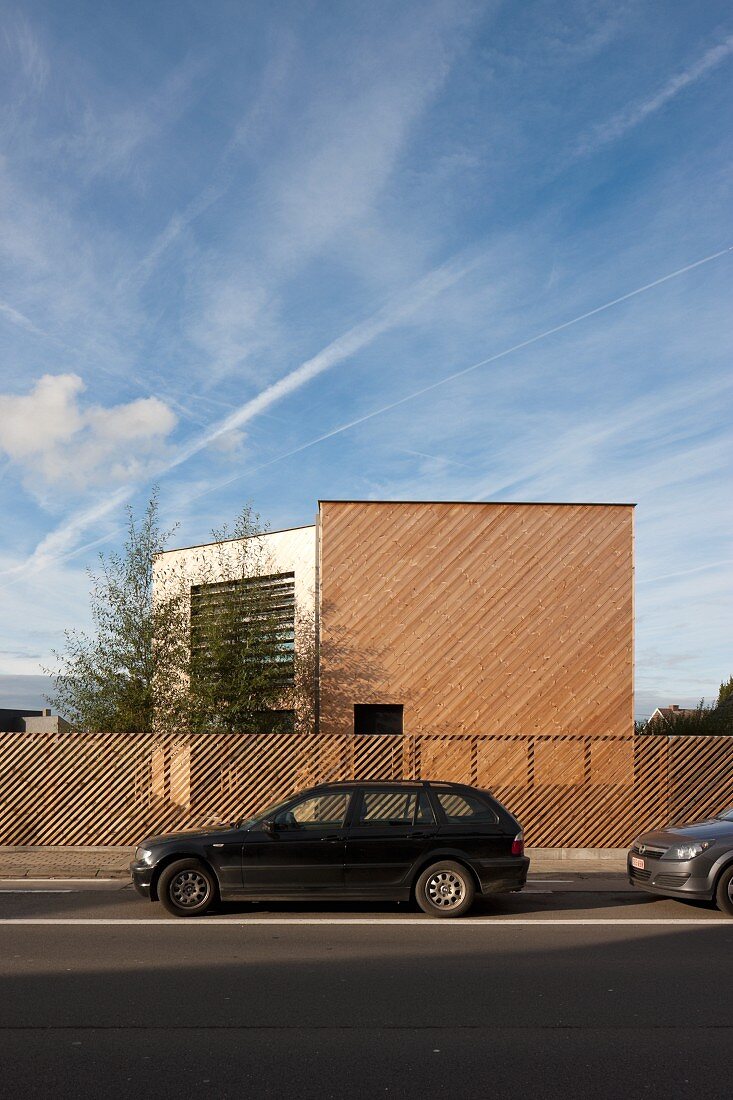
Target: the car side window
pixel 464 809
pixel 387 807
pixel 425 814
pixel 318 811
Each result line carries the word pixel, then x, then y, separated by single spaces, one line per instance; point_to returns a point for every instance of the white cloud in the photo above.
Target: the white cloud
pixel 58 444
pixel 234 317
pixel 108 138
pixel 23 44
pixel 231 443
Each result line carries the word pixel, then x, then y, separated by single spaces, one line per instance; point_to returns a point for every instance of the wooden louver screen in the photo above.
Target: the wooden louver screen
pixel 567 791
pixel 261 606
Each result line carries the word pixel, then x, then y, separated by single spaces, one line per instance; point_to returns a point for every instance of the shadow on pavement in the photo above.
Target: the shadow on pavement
pixel 355 1014
pixel 128 904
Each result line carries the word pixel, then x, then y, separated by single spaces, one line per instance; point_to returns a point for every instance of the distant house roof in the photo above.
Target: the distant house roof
pixel 12 719
pixel 23 720
pixel 670 713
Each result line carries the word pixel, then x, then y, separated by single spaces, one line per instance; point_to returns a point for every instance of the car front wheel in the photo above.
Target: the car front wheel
pixel 724 893
pixel 445 889
pixel 186 888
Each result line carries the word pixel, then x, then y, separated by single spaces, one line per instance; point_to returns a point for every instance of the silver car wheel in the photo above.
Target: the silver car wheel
pixel 445 889
pixel 189 889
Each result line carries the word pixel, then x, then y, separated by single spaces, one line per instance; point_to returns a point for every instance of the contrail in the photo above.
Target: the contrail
pixel 340 349
pixel 344 347
pixel 630 117
pixel 467 370
pixel 20 319
pixel 685 572
pixel 55 545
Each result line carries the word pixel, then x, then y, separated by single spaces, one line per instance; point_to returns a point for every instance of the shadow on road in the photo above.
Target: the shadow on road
pixel 544 1011
pixel 129 905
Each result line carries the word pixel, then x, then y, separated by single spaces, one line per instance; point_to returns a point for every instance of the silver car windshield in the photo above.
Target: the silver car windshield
pixel 727 815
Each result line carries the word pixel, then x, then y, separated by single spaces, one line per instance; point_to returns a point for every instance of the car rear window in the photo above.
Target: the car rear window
pixel 463 809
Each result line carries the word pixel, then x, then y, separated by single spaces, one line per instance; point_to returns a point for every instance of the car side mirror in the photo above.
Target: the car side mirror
pixel 269 827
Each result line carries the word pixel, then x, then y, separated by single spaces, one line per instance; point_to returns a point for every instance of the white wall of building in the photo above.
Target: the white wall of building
pixel 291 551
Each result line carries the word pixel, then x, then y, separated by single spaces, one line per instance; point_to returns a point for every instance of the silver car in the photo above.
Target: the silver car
pixel 687 861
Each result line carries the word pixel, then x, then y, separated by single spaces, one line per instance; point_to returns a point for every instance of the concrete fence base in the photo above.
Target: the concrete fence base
pixel 574 854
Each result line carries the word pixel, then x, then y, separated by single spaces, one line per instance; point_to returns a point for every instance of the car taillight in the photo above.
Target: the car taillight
pixel 518 845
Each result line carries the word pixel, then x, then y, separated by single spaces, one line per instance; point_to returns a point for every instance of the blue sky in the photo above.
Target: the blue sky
pixel 245 247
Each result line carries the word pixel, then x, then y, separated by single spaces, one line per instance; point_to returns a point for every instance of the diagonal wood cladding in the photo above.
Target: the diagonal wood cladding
pixel 567 790
pixel 478 618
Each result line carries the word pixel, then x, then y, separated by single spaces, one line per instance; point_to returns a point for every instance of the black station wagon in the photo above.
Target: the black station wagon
pixel 441 843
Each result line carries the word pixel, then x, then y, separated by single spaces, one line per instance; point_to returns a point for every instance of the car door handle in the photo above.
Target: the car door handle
pixel 419 836
pixel 334 837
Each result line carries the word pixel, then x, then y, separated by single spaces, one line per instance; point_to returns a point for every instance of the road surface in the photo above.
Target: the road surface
pixel 578 988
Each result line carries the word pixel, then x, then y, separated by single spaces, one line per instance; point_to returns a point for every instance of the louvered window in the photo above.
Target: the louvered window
pixel 256 614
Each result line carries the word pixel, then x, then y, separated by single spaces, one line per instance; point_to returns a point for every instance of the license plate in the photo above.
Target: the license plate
pixel 638 862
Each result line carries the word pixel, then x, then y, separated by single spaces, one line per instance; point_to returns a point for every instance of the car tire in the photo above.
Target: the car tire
pixel 445 889
pixel 186 888
pixel 724 892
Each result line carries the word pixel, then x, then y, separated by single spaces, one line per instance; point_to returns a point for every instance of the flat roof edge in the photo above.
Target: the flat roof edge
pixel 258 535
pixel 480 503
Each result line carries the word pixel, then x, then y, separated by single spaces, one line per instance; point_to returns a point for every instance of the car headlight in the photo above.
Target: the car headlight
pixel 687 851
pixel 143 855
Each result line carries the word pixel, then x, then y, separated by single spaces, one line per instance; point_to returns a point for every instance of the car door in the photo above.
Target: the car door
pixel 470 824
pixel 223 850
pixel 302 850
pixel 390 829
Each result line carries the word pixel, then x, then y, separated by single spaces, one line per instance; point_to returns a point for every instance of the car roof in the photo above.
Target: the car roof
pixel 352 783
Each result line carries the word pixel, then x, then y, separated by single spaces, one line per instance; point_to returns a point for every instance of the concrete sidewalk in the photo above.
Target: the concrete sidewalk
pixel 27 861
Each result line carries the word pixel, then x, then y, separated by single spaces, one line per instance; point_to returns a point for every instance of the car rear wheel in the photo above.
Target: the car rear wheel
pixel 445 889
pixel 186 888
pixel 724 893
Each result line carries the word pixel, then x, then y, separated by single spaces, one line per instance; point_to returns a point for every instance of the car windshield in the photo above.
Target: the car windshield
pixel 727 815
pixel 263 815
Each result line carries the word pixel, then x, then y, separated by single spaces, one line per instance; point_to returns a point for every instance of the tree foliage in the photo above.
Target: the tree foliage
pixel 725 694
pixel 242 666
pixel 200 643
pixel 702 721
pixel 107 680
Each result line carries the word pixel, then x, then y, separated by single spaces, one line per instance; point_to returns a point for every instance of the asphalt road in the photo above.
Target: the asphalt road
pixel 572 989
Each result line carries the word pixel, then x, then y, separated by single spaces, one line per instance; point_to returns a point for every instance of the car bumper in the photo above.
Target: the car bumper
pixel 672 878
pixel 142 876
pixel 502 875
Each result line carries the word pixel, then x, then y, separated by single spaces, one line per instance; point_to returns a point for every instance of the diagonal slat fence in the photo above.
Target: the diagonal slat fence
pixel 567 790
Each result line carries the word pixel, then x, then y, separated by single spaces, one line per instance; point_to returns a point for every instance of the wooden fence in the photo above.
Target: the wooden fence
pixel 569 791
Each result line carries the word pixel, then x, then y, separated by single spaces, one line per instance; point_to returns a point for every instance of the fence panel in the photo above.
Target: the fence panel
pixel 568 791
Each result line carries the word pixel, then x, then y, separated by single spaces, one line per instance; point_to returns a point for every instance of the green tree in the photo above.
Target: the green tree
pixel 201 643
pixel 241 633
pixel 714 721
pixel 726 692
pixel 110 680
pixel 243 672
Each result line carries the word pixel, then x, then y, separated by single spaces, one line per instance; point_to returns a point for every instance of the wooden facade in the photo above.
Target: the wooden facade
pixel 478 618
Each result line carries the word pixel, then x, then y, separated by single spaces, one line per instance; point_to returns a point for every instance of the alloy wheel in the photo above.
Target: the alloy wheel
pixel 189 889
pixel 445 889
